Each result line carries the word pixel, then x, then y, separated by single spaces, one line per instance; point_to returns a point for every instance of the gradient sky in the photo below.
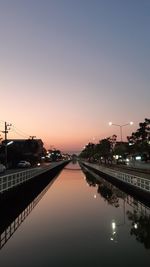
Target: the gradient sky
pixel 68 67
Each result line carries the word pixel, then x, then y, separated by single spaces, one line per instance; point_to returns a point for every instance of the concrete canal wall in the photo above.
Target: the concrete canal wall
pixel 135 185
pixel 13 180
pixel 20 202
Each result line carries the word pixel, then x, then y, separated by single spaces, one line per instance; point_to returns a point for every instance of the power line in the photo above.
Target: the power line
pixel 18 133
pixel 16 130
pixel 22 132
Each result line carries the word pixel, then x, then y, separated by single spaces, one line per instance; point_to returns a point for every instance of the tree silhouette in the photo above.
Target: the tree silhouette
pixel 140 140
pixel 142 231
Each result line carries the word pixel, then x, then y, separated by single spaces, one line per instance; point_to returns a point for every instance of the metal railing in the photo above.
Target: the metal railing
pixel 131 179
pixel 9 181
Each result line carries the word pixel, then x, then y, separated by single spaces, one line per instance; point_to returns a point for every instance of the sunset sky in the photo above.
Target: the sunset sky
pixel 68 67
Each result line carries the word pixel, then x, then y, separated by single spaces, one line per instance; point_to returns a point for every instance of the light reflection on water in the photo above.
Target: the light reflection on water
pixel 81 221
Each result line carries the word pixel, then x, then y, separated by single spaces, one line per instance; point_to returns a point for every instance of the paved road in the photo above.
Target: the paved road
pixel 139 165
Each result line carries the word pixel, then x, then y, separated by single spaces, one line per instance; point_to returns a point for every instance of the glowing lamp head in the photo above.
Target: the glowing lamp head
pixel 131 122
pixel 110 123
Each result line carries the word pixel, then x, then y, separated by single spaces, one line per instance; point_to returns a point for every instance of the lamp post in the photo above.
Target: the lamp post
pixel 121 126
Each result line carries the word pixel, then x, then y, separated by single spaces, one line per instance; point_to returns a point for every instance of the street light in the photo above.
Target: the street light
pixel 121 126
pixel 6 150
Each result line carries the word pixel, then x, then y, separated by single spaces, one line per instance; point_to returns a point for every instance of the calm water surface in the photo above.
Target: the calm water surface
pixel 78 220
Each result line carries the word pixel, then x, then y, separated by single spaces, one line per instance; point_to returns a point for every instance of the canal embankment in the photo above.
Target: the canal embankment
pixel 98 220
pixel 136 184
pixel 20 202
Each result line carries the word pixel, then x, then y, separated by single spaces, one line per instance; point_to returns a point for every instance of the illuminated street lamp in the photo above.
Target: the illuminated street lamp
pixel 6 150
pixel 121 126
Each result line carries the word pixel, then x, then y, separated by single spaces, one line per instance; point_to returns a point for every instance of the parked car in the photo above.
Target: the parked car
pixel 121 161
pixel 2 168
pixel 24 164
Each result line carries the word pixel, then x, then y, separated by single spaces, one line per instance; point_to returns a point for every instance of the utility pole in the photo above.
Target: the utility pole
pixel 7 128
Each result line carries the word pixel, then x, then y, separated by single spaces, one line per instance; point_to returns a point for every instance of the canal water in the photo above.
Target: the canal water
pixel 78 220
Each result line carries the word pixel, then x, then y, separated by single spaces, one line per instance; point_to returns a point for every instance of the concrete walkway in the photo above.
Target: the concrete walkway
pixel 139 165
pixel 143 173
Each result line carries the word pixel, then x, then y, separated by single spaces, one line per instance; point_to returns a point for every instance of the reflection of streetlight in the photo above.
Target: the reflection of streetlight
pixel 113 227
pixel 121 126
